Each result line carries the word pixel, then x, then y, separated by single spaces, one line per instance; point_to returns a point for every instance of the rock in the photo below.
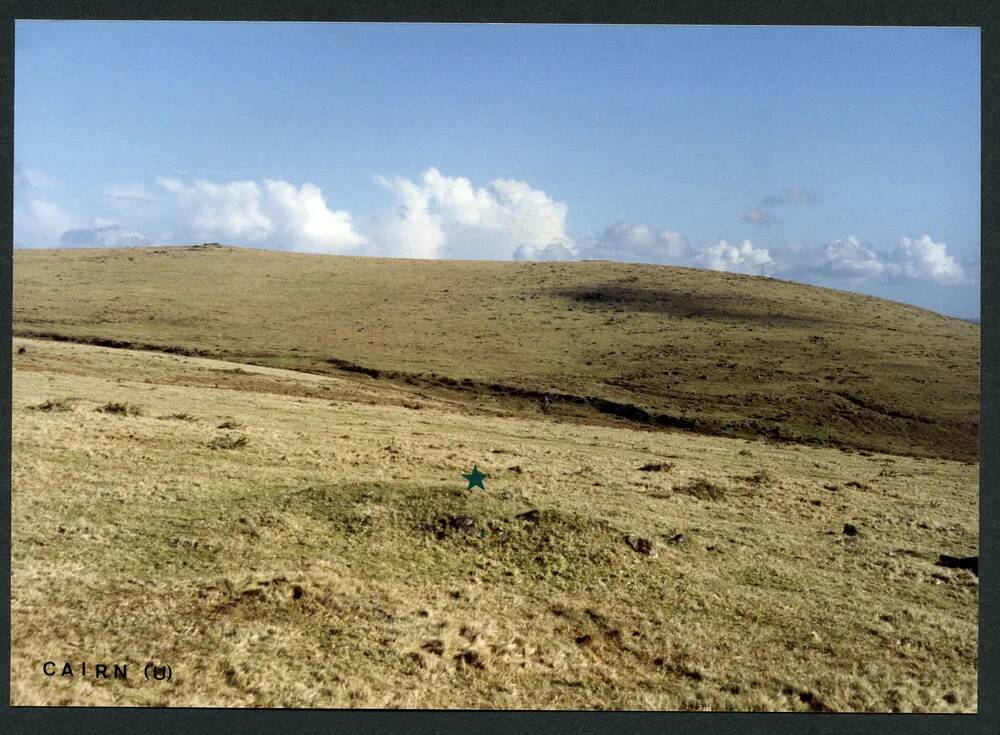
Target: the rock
pixel 850 530
pixel 531 516
pixel 679 538
pixel 21 350
pixel 641 545
pixel 960 562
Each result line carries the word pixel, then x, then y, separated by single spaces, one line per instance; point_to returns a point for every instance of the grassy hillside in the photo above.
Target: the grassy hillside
pixel 282 539
pixel 652 345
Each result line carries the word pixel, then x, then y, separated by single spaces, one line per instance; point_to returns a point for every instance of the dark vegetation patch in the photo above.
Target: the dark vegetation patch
pixel 229 424
pixel 960 562
pixel 183 416
pixel 657 467
pixel 688 303
pixel 121 344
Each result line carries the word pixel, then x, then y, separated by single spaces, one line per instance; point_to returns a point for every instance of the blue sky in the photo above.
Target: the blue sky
pixel 845 157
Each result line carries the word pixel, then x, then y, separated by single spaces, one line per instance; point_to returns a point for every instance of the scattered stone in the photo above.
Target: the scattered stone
pixel 960 562
pixel 584 640
pixel 531 516
pixel 850 529
pixel 296 592
pixel 515 468
pixel 641 545
pixel 21 350
pixel 679 538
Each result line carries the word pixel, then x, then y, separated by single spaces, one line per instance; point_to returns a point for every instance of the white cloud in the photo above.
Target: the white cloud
pixel 849 258
pixel 446 216
pixel 274 213
pixel 922 260
pixel 925 260
pixel 744 258
pixel 638 244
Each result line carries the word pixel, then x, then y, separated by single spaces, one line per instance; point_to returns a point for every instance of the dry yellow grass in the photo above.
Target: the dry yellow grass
pixel 724 353
pixel 313 565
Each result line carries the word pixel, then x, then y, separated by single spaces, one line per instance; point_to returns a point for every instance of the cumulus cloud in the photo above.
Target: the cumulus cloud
pixel 270 212
pixel 744 258
pixel 792 195
pixel 638 244
pixel 447 217
pixel 849 258
pixel 759 217
pixel 925 260
pixel 920 259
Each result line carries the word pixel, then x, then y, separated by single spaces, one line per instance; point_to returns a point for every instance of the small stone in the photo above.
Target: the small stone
pixel 531 516
pixel 679 538
pixel 850 529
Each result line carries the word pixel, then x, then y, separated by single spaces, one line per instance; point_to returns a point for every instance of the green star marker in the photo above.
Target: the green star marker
pixel 476 478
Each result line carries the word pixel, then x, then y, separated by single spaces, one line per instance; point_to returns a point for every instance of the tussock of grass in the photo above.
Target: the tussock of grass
pixel 182 416
pixel 229 425
pixel 121 409
pixel 702 489
pixel 64 404
pixel 228 442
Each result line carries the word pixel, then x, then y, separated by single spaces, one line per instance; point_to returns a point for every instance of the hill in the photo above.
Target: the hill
pixel 599 342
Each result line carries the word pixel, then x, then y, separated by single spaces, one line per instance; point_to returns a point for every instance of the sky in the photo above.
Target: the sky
pixel 842 157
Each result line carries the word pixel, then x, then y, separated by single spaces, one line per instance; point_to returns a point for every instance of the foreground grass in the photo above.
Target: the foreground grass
pixel 333 558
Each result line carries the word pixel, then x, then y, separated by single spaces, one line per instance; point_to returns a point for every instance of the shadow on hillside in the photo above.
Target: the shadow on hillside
pixel 730 307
